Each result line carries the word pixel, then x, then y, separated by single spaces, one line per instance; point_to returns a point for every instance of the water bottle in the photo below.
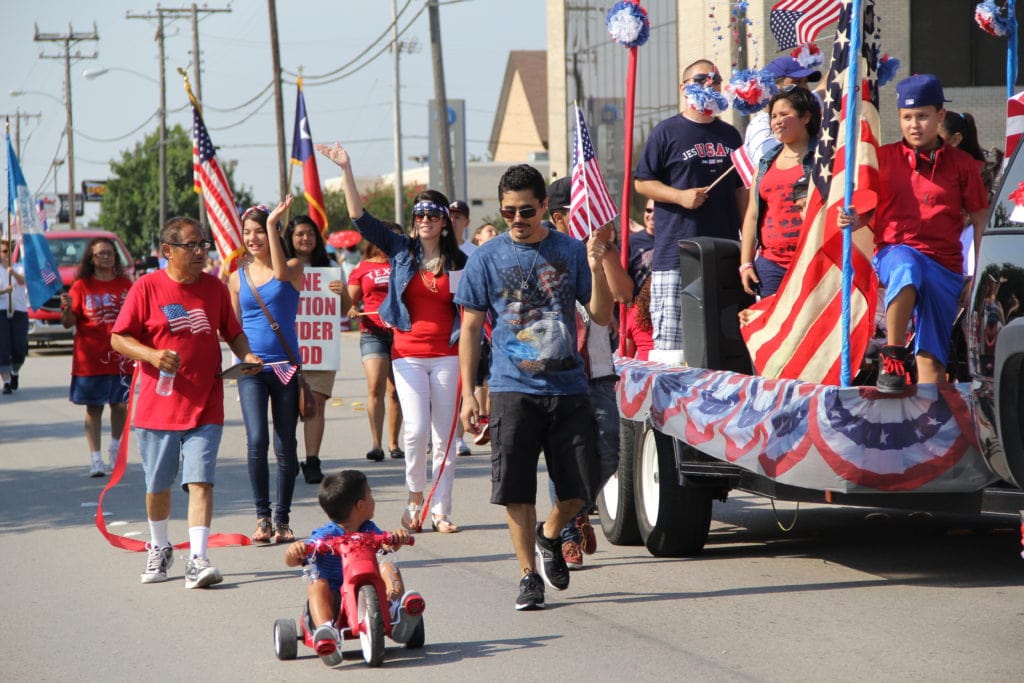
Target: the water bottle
pixel 165 385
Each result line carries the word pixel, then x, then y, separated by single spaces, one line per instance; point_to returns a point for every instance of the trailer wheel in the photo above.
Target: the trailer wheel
pixel 673 520
pixel 616 501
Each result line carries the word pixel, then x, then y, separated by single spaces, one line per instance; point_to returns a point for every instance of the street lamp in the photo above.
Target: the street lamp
pixel 93 74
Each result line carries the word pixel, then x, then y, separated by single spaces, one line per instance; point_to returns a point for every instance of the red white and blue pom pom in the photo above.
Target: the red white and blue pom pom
pixel 750 89
pixel 707 101
pixel 628 24
pixel 809 55
pixel 887 68
pixel 992 19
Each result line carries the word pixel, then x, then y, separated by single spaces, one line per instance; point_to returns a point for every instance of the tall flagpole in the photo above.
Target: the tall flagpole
pixel 10 235
pixel 852 109
pixel 1011 50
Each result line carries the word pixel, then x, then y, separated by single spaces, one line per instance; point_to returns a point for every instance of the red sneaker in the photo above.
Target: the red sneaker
pixel 572 554
pixel 588 539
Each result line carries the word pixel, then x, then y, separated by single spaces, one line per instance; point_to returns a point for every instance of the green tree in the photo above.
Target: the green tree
pixel 379 200
pixel 131 202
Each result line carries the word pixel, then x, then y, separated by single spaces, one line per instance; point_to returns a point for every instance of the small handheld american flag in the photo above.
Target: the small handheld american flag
pixel 591 205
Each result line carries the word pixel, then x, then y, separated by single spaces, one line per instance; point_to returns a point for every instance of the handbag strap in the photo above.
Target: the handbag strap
pixel 270 318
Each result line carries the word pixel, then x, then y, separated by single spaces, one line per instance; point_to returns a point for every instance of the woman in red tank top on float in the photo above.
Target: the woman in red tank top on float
pixel 774 215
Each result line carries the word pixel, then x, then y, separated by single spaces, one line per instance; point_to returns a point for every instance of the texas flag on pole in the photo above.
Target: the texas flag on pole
pixel 302 155
pixel 41 275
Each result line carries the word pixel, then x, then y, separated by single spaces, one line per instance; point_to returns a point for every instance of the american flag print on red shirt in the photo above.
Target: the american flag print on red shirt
pixel 179 319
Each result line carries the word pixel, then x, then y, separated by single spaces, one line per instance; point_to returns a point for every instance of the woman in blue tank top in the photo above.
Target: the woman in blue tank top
pixel 278 281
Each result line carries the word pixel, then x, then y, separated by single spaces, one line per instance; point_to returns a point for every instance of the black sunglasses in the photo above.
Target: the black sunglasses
pixel 432 215
pixel 523 211
pixel 648 210
pixel 701 79
pixel 192 246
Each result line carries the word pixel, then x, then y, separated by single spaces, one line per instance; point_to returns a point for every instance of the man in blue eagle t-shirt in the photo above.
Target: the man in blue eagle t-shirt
pixel 683 156
pixel 529 280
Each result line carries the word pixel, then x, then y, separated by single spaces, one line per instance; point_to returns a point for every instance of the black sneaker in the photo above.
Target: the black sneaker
pixel 531 593
pixel 14 382
pixel 893 376
pixel 550 562
pixel 311 471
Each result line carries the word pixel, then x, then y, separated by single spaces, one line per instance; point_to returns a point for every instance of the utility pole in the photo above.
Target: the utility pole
pixel 67 40
pixel 396 49
pixel 161 13
pixel 18 115
pixel 441 98
pixel 275 55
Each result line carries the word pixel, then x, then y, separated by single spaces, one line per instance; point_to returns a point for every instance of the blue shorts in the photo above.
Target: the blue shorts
pixel 99 390
pixel 163 450
pixel 770 274
pixel 938 295
pixel 375 345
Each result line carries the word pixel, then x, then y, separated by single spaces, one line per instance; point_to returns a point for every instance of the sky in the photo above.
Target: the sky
pixel 317 35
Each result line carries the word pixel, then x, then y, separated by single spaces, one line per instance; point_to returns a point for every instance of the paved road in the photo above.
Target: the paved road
pixel 842 597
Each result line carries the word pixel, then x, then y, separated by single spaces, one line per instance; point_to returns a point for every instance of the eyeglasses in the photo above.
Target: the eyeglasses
pixel 509 213
pixel 205 245
pixel 429 215
pixel 103 254
pixel 701 79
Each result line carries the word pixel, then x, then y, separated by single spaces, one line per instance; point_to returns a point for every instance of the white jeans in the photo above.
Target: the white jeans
pixel 428 392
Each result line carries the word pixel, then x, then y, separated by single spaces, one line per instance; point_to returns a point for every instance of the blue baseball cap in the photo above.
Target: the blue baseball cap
pixel 787 66
pixel 920 90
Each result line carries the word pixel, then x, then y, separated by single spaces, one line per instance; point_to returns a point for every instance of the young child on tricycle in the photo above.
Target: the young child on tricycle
pixel 348 583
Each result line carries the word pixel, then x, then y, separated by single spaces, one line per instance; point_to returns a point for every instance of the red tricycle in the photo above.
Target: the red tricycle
pixel 364 612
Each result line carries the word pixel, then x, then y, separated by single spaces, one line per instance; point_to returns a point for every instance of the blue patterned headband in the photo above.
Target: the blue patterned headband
pixel 428 206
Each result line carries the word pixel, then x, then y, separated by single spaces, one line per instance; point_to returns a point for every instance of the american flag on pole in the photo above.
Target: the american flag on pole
pixel 744 166
pixel 1014 122
pixel 284 371
pixel 797 334
pixel 210 181
pixel 795 22
pixel 302 155
pixel 179 319
pixel 591 205
pixel 44 223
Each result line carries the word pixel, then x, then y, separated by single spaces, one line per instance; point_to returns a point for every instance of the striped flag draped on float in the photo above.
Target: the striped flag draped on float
pixel 797 334
pixel 212 184
pixel 795 22
pixel 592 205
pixel 41 275
pixel 302 155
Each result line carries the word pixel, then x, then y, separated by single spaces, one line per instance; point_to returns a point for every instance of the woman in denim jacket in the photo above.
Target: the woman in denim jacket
pixel 774 215
pixel 425 353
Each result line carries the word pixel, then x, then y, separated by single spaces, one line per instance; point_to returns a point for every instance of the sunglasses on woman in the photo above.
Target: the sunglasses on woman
pixel 431 215
pixel 523 211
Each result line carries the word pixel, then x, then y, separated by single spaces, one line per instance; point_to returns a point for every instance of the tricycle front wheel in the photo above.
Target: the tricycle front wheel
pixel 286 639
pixel 371 625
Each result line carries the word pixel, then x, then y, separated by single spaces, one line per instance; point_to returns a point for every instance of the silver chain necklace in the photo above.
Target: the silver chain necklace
pixel 524 278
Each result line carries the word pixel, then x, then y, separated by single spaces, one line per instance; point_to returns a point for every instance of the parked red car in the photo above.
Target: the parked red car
pixel 67 247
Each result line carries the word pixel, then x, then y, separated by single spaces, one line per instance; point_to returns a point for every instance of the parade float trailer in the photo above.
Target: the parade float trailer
pixel 691 434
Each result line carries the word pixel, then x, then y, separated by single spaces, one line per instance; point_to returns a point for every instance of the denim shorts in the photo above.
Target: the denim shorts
pixel 375 345
pixel 99 390
pixel 938 295
pixel 163 450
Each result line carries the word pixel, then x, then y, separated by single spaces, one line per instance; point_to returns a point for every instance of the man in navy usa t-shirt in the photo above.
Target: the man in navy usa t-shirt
pixel 683 156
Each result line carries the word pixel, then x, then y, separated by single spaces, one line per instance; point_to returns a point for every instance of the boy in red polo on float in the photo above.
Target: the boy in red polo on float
pixel 925 189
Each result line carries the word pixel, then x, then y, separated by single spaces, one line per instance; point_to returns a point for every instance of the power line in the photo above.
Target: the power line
pixel 121 137
pixel 355 59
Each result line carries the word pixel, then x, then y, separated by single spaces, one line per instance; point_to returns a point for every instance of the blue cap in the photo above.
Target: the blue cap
pixel 920 90
pixel 788 66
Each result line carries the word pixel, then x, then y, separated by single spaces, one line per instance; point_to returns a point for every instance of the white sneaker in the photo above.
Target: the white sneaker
pixel 199 573
pixel 461 448
pixel 157 564
pixel 96 468
pixel 111 461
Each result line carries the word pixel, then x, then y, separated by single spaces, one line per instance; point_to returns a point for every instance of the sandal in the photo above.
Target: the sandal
pixel 264 530
pixel 411 518
pixel 283 534
pixel 443 525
